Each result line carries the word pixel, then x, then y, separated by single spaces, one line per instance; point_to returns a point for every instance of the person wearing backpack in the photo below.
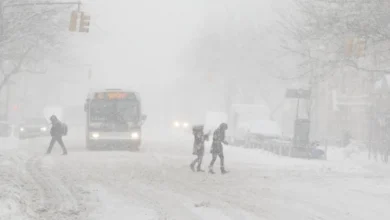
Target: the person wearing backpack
pixel 57 130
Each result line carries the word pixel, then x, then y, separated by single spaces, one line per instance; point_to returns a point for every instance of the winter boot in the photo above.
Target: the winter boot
pixel 223 171
pixel 211 170
pixel 199 170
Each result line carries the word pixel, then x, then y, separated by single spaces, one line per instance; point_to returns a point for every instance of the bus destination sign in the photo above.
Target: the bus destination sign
pixel 113 95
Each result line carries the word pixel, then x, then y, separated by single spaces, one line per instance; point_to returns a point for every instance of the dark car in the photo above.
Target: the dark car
pixel 34 127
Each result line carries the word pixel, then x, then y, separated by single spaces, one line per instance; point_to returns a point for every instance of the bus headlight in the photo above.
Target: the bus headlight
pixel 21 129
pixel 135 135
pixel 185 125
pixel 95 135
pixel 43 129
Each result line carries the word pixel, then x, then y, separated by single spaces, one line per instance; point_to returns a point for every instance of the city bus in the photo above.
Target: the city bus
pixel 114 119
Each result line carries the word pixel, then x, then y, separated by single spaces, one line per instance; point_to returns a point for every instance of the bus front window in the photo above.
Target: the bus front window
pixel 118 110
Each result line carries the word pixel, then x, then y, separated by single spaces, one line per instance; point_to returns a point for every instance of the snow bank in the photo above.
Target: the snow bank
pixel 256 158
pixel 352 149
pixel 13 197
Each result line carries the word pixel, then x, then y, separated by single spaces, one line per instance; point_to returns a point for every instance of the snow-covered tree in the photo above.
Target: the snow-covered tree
pixel 332 34
pixel 28 33
pixel 341 44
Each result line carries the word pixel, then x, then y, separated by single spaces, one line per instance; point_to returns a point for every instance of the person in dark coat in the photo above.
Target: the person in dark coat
pixel 198 148
pixel 217 147
pixel 56 132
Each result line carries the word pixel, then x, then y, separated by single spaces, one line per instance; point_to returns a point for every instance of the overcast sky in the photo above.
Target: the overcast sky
pixel 138 44
pixel 142 40
pixel 138 41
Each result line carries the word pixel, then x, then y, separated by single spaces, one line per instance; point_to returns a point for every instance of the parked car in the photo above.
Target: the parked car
pixel 34 127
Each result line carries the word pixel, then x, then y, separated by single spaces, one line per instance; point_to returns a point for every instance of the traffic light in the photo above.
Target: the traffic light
pixel 73 21
pixel 355 47
pixel 349 47
pixel 360 47
pixel 84 23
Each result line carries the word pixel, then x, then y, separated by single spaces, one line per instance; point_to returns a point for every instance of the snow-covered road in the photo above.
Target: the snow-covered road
pixel 157 183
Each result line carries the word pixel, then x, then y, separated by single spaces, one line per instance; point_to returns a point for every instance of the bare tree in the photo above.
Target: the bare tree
pixel 329 34
pixel 338 37
pixel 28 33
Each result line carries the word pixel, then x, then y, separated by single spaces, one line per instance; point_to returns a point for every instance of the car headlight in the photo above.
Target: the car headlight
pixel 21 129
pixel 135 135
pixel 95 135
pixel 44 129
pixel 185 125
pixel 176 124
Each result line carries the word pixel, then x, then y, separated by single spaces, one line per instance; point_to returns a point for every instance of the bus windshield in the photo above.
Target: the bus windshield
pixel 107 110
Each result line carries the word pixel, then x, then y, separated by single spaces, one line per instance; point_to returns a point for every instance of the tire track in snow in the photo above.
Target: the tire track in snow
pixel 14 197
pixel 170 204
pixel 151 196
pixel 54 198
pixel 120 180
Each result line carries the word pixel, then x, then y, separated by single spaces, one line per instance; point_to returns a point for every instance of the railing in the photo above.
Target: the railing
pixel 276 146
pixel 282 147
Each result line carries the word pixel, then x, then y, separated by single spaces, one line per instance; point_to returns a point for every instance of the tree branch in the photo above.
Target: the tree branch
pixel 15 70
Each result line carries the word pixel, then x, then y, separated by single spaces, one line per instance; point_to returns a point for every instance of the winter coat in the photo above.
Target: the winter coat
pixel 56 129
pixel 218 139
pixel 199 139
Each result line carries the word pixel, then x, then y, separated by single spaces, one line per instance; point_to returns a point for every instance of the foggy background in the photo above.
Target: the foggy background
pixel 165 50
pixel 323 156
